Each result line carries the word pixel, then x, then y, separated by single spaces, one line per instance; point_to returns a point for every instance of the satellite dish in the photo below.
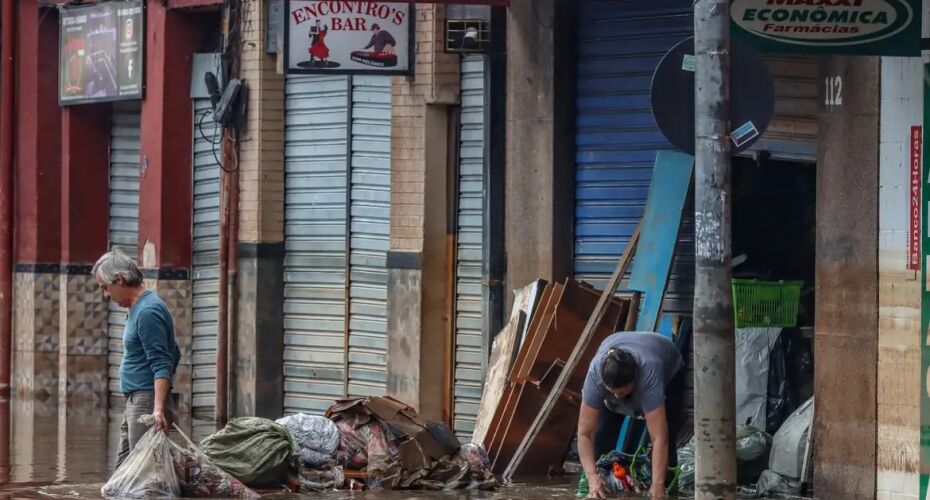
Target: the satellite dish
pixel 752 95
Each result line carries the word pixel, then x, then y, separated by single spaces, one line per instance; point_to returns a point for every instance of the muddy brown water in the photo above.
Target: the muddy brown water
pixel 67 453
pixel 57 453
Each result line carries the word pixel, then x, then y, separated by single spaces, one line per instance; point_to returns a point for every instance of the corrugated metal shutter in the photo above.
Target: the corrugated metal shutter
pixel 124 212
pixel 316 163
pixel 206 259
pixel 370 215
pixel 792 134
pixel 470 355
pixel 620 45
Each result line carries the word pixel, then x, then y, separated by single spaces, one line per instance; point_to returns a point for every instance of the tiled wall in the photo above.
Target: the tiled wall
pixel 899 289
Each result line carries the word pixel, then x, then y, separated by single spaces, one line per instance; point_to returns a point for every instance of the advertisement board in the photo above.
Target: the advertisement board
pixel 101 56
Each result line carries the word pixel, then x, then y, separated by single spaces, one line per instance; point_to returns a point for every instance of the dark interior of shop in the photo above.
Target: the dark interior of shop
pixel 774 230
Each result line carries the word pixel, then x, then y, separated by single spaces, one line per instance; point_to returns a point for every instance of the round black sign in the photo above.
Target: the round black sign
pixel 752 95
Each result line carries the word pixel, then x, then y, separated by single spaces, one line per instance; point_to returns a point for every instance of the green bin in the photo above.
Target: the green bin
pixel 766 303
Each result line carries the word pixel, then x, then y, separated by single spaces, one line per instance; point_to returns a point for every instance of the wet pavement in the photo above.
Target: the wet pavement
pixel 56 453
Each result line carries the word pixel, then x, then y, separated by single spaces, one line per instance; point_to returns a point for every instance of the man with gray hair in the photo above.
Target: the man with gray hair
pixel 150 351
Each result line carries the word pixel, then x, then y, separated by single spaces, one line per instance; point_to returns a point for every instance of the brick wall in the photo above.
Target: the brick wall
pixel 899 290
pixel 436 82
pixel 261 201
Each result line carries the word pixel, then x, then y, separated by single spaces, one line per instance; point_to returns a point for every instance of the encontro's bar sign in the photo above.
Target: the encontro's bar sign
pixel 867 27
pixel 348 36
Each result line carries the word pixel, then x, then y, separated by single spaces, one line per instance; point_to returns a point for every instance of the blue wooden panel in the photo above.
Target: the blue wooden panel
pixel 619 46
pixel 671 181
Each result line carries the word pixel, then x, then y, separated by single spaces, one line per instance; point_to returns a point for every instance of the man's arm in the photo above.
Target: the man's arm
pixel 162 393
pixel 658 433
pixel 371 43
pixel 587 427
pixel 154 333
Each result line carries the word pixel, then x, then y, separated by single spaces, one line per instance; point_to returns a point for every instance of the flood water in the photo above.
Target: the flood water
pixel 56 453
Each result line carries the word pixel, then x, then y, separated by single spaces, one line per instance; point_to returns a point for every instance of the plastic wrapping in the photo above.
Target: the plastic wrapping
pixel 752 374
pixel 686 466
pixel 254 450
pixel 206 480
pixel 791 375
pixel 752 453
pixel 154 468
pixel 317 437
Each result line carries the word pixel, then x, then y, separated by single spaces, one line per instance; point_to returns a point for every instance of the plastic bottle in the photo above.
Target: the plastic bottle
pixel 623 478
pixel 582 486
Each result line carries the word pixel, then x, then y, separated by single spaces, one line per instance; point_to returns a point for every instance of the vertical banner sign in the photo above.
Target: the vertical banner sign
pixel 925 312
pixel 326 36
pixel 101 54
pixel 913 240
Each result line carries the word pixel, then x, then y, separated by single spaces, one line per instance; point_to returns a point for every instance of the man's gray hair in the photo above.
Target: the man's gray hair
pixel 116 263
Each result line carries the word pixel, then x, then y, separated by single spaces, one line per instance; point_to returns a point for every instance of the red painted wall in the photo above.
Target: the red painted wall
pixel 167 134
pixel 85 162
pixel 38 129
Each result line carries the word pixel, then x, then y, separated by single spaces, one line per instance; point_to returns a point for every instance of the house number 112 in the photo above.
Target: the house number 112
pixel 834 91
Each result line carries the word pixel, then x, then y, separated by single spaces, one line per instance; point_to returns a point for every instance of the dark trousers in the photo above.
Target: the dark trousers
pixel 608 428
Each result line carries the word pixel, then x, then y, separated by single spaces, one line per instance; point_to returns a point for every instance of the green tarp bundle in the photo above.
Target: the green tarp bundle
pixel 255 450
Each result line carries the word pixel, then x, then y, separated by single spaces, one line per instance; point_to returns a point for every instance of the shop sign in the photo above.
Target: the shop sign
pixel 348 37
pixel 101 55
pixel 913 241
pixel 863 27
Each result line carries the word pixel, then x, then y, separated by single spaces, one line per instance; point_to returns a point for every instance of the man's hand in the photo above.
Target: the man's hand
pixel 161 423
pixel 657 491
pixel 596 487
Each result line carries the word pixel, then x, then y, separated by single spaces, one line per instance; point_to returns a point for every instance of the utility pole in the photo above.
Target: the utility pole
pixel 714 336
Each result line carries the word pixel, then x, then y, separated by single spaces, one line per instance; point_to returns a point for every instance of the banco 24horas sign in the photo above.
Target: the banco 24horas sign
pixel 348 36
pixel 865 27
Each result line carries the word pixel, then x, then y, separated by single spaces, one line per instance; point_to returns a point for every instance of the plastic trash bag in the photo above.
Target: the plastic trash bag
pixel 752 453
pixel 154 468
pixel 752 374
pixel 686 466
pixel 254 450
pixel 206 480
pixel 317 437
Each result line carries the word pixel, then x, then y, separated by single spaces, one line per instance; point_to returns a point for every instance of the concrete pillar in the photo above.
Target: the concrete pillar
pixel 165 187
pixel 540 142
pixel 257 383
pixel 419 271
pixel 83 313
pixel 846 322
pixel 38 198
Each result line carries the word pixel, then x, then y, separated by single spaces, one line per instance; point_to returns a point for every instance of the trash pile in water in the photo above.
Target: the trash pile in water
pixel 361 444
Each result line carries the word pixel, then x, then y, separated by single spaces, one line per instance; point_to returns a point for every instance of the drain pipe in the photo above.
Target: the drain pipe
pixel 222 327
pixel 7 68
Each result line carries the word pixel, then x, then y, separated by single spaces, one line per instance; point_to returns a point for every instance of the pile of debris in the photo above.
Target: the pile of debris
pixel 360 444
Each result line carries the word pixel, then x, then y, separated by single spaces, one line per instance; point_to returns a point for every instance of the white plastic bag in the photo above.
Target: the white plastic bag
pixel 317 437
pixel 150 470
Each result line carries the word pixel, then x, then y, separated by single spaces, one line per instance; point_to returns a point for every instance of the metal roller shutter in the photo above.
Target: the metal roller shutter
pixel 792 134
pixel 206 259
pixel 470 356
pixel 370 232
pixel 124 213
pixel 620 44
pixel 316 154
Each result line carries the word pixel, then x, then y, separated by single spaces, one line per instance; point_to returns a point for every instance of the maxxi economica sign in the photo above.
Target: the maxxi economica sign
pixel 862 27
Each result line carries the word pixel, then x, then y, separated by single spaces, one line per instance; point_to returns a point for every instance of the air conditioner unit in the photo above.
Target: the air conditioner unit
pixel 467 35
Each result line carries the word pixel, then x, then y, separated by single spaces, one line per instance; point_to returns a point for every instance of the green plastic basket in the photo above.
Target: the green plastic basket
pixel 766 303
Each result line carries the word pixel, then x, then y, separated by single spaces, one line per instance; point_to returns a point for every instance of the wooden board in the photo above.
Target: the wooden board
pixel 502 354
pixel 581 346
pixel 668 191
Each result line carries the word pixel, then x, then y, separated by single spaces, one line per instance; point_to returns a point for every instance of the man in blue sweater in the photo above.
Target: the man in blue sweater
pixel 150 351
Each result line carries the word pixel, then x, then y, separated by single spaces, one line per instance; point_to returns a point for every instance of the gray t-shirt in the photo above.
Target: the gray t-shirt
pixel 658 360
